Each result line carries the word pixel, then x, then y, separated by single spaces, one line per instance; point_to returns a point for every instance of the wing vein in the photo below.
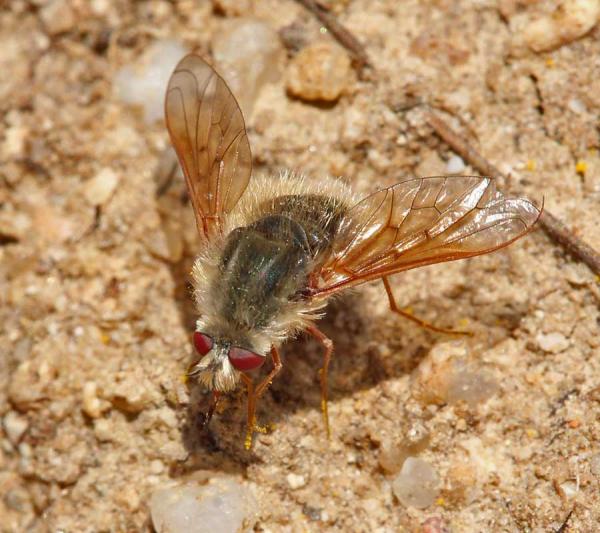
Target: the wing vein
pixel 452 218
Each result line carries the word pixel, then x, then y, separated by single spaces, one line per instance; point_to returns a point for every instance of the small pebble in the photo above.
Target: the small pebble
pixel 552 342
pixel 144 82
pixel 295 481
pixel 18 499
pixel 461 424
pixel 25 450
pixel 470 386
pixel 104 430
pixel 14 144
pixel 455 165
pixel 166 242
pixel 417 485
pixel 157 466
pixel 431 378
pixel 435 524
pixel 576 274
pixel 132 394
pixel 392 455
pixel 568 489
pixel 14 425
pixel 57 17
pixel 446 376
pixel 166 417
pixel 221 506
pixel 29 382
pixel 293 36
pixel 571 19
pixel 417 436
pixel 92 405
pixel 248 53
pixel 577 106
pixel 320 71
pixel 595 465
pixel 101 187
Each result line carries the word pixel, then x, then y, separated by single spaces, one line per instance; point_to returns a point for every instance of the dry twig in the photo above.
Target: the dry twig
pixel 563 527
pixel 553 227
pixel 343 36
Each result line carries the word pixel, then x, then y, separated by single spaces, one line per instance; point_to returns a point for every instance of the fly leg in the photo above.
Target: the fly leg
pixel 323 372
pixel 395 309
pixel 254 393
pixel 214 400
pixel 211 408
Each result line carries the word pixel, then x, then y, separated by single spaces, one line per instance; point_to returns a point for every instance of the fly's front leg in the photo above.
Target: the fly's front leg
pixel 214 400
pixel 323 372
pixel 254 393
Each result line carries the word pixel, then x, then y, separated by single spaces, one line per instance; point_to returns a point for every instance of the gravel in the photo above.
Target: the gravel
pixel 96 313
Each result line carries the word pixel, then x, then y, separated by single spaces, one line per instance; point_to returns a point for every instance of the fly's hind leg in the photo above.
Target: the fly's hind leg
pixel 395 309
pixel 323 372
pixel 254 393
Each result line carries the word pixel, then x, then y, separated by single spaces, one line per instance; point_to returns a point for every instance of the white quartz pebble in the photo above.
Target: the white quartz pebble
pixel 247 53
pixel 417 485
pixel 144 83
pixel 220 506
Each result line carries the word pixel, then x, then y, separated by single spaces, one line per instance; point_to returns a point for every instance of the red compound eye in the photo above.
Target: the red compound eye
pixel 203 343
pixel 245 360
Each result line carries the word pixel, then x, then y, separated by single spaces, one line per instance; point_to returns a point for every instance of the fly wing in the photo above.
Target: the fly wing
pixel 422 221
pixel 208 133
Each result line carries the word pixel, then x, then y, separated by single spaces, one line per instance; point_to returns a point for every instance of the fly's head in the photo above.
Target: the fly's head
pixel 222 361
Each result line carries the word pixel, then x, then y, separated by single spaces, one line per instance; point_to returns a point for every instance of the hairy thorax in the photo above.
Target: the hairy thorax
pixel 254 280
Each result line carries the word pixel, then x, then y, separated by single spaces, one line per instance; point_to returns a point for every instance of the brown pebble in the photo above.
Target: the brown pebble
pixel 58 17
pixel 320 71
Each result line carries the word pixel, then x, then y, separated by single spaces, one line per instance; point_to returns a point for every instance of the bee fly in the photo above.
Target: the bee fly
pixel 274 249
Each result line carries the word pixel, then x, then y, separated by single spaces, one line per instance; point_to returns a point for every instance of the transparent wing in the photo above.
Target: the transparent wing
pixel 208 133
pixel 423 221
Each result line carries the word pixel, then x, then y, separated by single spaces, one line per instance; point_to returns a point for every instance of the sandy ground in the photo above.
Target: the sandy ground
pixel 96 319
